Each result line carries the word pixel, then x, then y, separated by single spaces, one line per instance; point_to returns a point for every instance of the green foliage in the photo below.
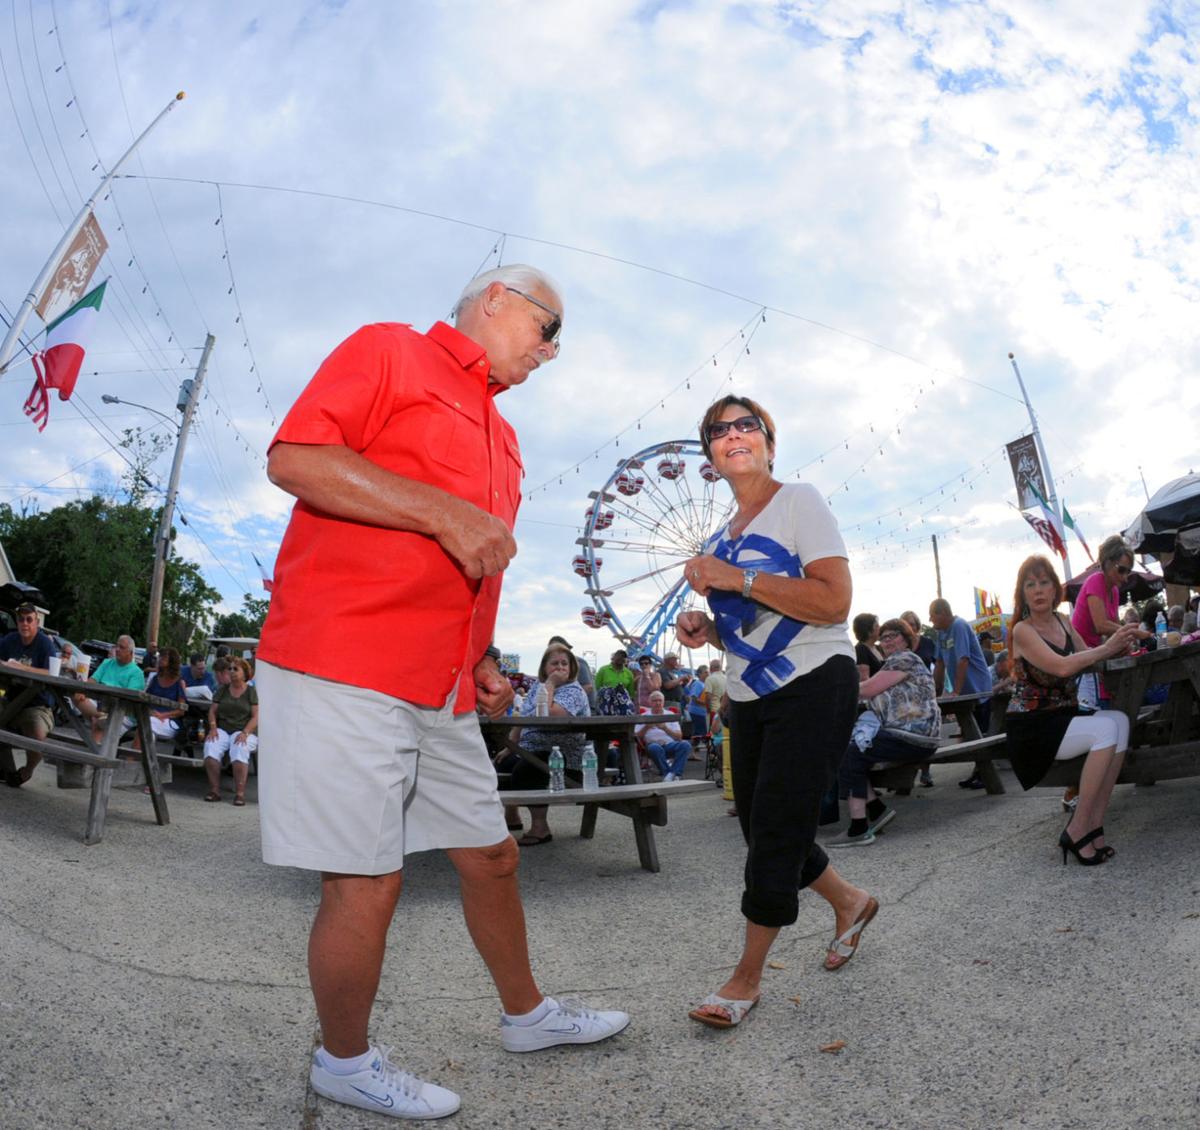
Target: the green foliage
pixel 92 558
pixel 246 623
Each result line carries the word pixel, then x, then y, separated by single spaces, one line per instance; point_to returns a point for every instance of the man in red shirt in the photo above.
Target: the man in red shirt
pixel 407 482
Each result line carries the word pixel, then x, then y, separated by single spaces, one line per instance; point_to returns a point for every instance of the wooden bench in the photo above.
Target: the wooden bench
pixel 980 751
pixel 645 804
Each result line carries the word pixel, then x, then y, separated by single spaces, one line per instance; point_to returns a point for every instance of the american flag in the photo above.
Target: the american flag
pixel 1046 532
pixel 37 406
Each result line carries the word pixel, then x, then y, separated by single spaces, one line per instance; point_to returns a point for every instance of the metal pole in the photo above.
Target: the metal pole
pixel 162 542
pixel 937 565
pixel 1142 476
pixel 1052 494
pixel 9 347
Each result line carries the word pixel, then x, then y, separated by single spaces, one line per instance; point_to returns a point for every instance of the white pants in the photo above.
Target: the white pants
pixel 218 743
pixel 1102 730
pixel 163 727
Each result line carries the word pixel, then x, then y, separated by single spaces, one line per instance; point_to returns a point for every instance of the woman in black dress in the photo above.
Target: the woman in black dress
pixel 1044 722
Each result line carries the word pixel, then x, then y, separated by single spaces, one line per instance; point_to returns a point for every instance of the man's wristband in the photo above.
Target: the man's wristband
pixel 492 652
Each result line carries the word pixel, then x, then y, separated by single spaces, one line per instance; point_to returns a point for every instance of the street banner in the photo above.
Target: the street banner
pixel 1027 472
pixel 74 272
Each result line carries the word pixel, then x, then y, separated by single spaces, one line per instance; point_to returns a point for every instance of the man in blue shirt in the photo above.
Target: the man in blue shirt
pixel 30 647
pixel 196 674
pixel 960 654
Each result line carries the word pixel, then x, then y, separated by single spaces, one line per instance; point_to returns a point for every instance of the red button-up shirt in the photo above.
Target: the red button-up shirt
pixel 388 609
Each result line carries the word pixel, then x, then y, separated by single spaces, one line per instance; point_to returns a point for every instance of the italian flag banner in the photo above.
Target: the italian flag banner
pixel 57 365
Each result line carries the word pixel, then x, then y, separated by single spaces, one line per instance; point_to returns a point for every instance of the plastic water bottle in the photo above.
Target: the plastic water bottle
pixel 589 767
pixel 541 704
pixel 557 782
pixel 1160 626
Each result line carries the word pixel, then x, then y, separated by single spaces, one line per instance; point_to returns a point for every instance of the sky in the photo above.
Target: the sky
pixel 850 212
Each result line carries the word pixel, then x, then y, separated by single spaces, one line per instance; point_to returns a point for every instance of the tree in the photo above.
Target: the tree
pixel 247 623
pixel 92 559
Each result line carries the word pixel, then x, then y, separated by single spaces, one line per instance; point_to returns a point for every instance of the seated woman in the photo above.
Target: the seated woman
pixel 648 681
pixel 167 683
pixel 559 674
pixel 866 653
pixel 232 720
pixel 902 697
pixel 1044 724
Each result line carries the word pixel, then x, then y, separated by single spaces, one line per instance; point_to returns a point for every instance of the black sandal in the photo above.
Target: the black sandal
pixel 1068 845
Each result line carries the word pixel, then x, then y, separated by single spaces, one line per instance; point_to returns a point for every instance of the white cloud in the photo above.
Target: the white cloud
pixel 949 181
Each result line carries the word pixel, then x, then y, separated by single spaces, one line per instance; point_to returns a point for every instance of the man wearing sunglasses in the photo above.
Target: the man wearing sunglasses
pixel 407 481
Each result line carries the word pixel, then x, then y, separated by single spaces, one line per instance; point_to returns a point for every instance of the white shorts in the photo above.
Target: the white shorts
pixel 219 743
pixel 352 780
pixel 1087 732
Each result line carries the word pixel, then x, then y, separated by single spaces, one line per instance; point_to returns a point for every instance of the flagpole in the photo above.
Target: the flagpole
pixel 1052 501
pixel 11 339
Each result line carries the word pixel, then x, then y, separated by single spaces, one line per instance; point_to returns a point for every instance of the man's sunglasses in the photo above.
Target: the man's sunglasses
pixel 552 328
pixel 743 424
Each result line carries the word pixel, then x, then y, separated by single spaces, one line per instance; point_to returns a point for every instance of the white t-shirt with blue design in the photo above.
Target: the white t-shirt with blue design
pixel 765 649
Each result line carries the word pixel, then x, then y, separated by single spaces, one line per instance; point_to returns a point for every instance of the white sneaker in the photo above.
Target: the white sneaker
pixel 568 1022
pixel 669 777
pixel 381 1086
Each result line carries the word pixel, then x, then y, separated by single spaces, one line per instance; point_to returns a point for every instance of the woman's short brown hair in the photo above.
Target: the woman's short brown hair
pixel 717 408
pixel 1035 564
pixel 242 665
pixel 905 630
pixel 554 650
pixel 863 625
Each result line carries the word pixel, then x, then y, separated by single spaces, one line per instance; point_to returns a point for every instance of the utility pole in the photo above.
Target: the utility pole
pixel 937 565
pixel 189 396
pixel 1052 494
pixel 9 346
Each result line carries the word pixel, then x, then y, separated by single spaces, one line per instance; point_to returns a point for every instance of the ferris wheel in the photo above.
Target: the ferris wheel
pixel 656 509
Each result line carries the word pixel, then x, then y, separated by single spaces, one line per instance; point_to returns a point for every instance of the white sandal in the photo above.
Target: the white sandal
pixel 737 1011
pixel 844 947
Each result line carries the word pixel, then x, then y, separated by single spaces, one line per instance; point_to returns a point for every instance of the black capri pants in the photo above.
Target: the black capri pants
pixel 787 747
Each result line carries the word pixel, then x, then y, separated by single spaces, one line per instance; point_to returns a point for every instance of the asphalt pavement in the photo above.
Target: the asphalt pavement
pixel 157 979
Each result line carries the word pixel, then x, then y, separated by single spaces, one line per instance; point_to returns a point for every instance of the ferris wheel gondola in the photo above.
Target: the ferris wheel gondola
pixel 654 511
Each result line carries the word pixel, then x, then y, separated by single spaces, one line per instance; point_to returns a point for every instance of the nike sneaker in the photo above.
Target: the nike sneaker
pixel 567 1022
pixel 382 1087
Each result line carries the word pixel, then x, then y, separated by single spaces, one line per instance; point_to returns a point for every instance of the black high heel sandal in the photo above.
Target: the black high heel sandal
pixel 1068 845
pixel 1106 851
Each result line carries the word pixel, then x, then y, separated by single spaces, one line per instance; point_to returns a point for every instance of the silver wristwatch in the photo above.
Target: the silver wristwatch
pixel 748 581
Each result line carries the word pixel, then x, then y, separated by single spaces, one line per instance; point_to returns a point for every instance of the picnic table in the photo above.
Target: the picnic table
pixel 21 686
pixel 961 707
pixel 1164 744
pixel 644 803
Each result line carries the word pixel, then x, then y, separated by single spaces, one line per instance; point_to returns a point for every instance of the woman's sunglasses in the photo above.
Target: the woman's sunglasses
pixel 743 424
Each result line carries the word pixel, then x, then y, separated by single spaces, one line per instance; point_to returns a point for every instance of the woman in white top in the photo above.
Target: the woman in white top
pixel 778 583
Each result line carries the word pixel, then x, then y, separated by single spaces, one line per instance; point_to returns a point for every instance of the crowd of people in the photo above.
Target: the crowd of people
pixel 232 717
pixel 395 451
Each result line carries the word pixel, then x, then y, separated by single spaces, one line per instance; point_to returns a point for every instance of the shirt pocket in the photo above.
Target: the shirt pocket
pixel 454 433
pixel 514 471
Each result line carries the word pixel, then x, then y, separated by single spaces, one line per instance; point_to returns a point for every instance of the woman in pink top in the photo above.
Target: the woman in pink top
pixel 1095 615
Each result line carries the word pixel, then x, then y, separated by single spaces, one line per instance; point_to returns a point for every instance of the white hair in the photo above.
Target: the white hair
pixel 520 276
pixel 126 639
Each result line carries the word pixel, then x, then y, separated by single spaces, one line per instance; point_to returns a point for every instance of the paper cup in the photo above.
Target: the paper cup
pixel 55 665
